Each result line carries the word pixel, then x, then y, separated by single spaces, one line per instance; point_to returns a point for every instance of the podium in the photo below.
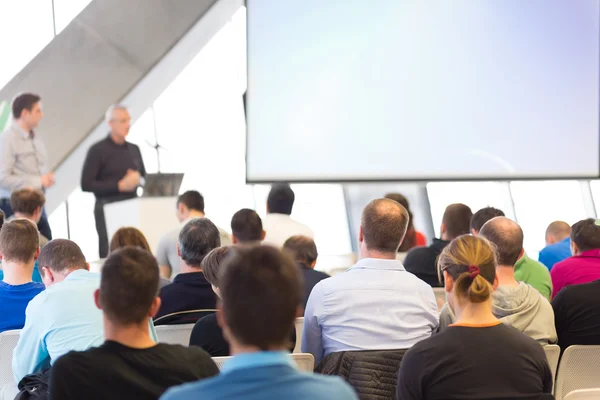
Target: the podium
pixel 154 216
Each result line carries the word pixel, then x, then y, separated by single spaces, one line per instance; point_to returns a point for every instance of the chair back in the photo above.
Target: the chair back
pixel 579 368
pixel 304 361
pixel 553 355
pixel 175 334
pixel 584 394
pixel 299 325
pixel 183 317
pixel 440 297
pixel 8 342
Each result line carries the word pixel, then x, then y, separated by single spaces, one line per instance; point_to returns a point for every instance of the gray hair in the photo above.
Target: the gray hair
pixel 111 109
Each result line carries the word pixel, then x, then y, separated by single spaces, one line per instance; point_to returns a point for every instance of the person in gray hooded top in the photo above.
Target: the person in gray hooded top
pixel 514 303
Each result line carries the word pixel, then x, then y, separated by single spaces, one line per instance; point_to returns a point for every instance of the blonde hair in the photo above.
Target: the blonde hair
pixel 471 262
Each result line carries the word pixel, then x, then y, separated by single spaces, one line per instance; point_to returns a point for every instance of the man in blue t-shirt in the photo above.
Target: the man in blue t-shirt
pixel 558 244
pixel 19 247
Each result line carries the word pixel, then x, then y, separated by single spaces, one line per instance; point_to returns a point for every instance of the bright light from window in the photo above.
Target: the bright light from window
pixel 595 185
pixel 66 10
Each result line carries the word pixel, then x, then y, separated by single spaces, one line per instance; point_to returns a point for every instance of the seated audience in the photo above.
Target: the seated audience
pixel 413 238
pixel 303 250
pixel 376 304
pixel 260 291
pixel 514 303
pixel 130 364
pixel 278 224
pixel 482 216
pixel 28 204
pixel 63 317
pixel 421 261
pixel 477 357
pixel 558 244
pixel 247 228
pixel 584 265
pixel 19 247
pixel 130 236
pixel 190 290
pixel 190 205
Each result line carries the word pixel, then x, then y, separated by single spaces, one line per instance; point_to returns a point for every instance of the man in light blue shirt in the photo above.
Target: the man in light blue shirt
pixel 260 293
pixel 376 304
pixel 558 244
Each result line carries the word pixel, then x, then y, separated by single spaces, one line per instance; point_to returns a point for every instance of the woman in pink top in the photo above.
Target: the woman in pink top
pixel 584 265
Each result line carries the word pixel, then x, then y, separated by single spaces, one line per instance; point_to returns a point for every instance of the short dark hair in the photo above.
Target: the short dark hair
pixel 301 249
pixel 192 199
pixel 2 218
pixel 19 240
pixel 61 255
pixel 24 101
pixel 384 223
pixel 586 234
pixel 128 285
pixel 272 281
pixel 212 263
pixel 247 226
pixel 507 236
pixel 457 220
pixel 281 199
pixel 484 215
pixel 196 239
pixel 27 200
pixel 128 236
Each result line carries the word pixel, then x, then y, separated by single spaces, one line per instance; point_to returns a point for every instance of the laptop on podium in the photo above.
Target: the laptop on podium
pixel 162 185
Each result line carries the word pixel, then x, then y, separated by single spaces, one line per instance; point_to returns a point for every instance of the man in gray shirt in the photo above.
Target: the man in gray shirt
pixel 190 205
pixel 23 162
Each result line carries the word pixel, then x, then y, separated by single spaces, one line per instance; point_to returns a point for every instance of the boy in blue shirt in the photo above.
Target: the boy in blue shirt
pixel 19 248
pixel 260 293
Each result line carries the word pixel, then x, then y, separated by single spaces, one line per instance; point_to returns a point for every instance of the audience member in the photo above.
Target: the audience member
pixel 19 247
pixel 514 303
pixel 130 236
pixel 478 357
pixel 558 244
pixel 247 228
pixel 413 238
pixel 421 261
pixel 63 317
pixel 260 291
pixel 376 304
pixel 482 216
pixel 28 204
pixel 190 290
pixel 303 250
pixel 190 205
pixel 278 224
pixel 129 365
pixel 584 265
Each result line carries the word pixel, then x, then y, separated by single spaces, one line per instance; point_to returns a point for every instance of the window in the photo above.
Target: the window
pixel 58 222
pixel 595 185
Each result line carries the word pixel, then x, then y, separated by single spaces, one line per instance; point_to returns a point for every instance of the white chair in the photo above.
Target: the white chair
pixel 579 368
pixel 175 334
pixel 8 342
pixel 304 361
pixel 584 394
pixel 299 324
pixel 552 354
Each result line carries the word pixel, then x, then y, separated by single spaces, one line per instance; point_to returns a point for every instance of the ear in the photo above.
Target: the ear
pixel 574 248
pixel 234 240
pixel 154 307
pixel 97 298
pixel 47 276
pixel 264 234
pixel 178 251
pixel 36 254
pixel 220 316
pixel 521 254
pixel 448 282
pixel 474 232
pixel 360 235
pixel 87 266
pixel 312 265
pixel 495 284
pixel 443 228
pixel 1 256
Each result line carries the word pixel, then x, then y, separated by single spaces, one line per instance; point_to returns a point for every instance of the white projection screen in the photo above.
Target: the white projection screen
pixel 358 90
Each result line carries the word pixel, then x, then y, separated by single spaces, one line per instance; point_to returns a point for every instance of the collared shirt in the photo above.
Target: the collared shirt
pixel 556 252
pixel 22 160
pixel 374 305
pixel 263 375
pixel 280 227
pixel 583 268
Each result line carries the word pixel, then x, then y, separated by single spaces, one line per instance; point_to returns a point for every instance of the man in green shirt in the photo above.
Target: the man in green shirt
pixel 535 274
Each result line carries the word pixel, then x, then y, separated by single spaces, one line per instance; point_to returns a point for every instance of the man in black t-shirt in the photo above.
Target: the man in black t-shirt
pixel 129 365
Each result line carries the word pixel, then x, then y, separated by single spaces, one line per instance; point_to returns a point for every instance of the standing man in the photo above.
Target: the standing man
pixel 23 162
pixel 112 170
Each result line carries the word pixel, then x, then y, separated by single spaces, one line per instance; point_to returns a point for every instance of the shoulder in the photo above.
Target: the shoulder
pixel 334 386
pixel 194 390
pixel 75 360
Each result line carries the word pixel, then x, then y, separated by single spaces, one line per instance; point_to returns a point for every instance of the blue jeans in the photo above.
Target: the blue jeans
pixel 43 225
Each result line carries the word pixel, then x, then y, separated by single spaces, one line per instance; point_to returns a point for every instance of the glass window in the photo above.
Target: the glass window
pixel 538 203
pixel 66 10
pixel 58 222
pixel 26 28
pixel 595 185
pixel 476 195
pixel 83 224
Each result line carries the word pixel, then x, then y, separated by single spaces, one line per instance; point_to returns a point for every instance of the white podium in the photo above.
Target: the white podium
pixel 154 216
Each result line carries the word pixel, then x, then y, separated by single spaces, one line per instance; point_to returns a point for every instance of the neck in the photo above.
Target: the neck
pixel 445 237
pixel 17 273
pixel 117 139
pixel 195 214
pixel 506 275
pixel 185 268
pixel 24 216
pixel 366 253
pixel 23 125
pixel 136 336
pixel 236 348
pixel 475 313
